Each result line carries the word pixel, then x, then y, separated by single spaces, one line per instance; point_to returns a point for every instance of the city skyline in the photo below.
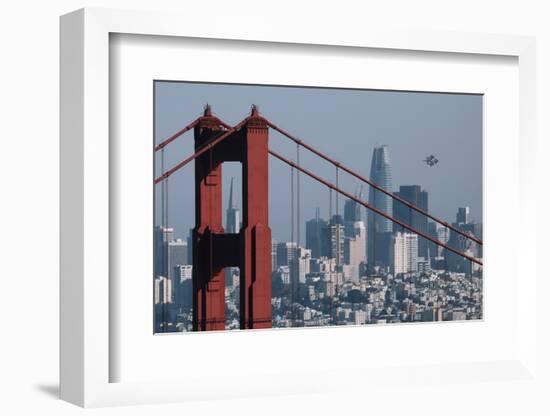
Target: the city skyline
pixel 294 266
pixel 338 271
pixel 447 125
pixel 252 262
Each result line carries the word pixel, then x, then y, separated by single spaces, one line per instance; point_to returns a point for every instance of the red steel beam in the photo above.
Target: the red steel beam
pixel 177 134
pixel 174 136
pixel 199 152
pixel 374 185
pixel 374 209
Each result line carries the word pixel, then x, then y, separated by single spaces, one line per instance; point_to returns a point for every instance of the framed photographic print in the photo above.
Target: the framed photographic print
pixel 261 214
pixel 315 254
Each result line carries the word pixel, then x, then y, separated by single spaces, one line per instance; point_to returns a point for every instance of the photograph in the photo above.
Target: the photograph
pixel 290 207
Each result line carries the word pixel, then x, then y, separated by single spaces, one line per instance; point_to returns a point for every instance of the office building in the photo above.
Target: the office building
pixel 352 214
pixel 163 290
pixel 456 263
pixel 355 250
pixel 403 253
pixel 379 229
pixel 332 240
pixel 419 198
pixel 463 215
pixel 314 229
pixel 162 236
pixel 177 256
pixel 286 252
pixel 273 255
pixel 183 286
pixel 299 267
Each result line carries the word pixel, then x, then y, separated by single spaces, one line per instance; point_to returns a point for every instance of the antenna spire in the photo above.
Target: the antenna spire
pixel 231 204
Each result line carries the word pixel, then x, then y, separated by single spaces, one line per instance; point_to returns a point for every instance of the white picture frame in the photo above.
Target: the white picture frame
pixel 86 352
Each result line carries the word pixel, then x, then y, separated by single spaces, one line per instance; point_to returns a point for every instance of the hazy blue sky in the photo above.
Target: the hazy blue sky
pixel 347 125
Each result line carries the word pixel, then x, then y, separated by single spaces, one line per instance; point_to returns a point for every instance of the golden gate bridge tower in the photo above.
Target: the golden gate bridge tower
pixel 250 249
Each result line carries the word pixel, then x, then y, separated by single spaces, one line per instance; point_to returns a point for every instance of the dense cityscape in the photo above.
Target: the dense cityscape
pixel 356 268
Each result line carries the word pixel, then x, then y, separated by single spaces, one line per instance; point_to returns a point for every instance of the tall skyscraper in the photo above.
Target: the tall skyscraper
pixel 184 285
pixel 463 223
pixel 332 240
pixel 440 233
pixel 232 226
pixel 355 250
pixel 177 256
pixel 299 267
pixel 163 297
pixel 274 266
pixel 416 196
pixel 352 214
pixel 162 236
pixel 233 214
pixel 163 290
pixel 403 253
pixel 286 252
pixel 463 215
pixel 314 229
pixel 352 210
pixel 379 229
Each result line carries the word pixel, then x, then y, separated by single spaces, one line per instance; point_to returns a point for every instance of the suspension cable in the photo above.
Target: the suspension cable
pixel 371 183
pixel 208 145
pixel 372 208
pixel 190 126
pixel 174 136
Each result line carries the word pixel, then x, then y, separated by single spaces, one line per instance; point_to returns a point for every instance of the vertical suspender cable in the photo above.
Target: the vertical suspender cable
pixel 298 196
pixel 167 193
pixel 333 282
pixel 338 237
pixel 338 224
pixel 298 201
pixel 166 252
pixel 291 204
pixel 329 204
pixel 162 255
pixel 162 191
pixel 337 195
pixel 374 230
pixel 291 263
pixel 447 268
pixel 410 217
pixel 418 241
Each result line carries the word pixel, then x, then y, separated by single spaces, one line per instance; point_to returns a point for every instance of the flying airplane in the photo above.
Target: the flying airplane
pixel 431 160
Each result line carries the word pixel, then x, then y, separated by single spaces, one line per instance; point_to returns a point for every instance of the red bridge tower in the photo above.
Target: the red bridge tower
pixel 250 249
